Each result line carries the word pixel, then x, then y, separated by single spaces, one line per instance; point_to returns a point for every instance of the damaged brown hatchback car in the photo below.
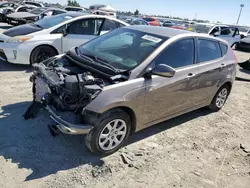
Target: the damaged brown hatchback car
pixel 129 79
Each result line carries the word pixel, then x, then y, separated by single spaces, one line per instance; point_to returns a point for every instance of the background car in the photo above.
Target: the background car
pixel 136 21
pixel 75 9
pixel 168 23
pixel 228 33
pixel 244 31
pixel 19 18
pixel 244 44
pixel 33 4
pixel 7 8
pixel 33 43
pixel 152 21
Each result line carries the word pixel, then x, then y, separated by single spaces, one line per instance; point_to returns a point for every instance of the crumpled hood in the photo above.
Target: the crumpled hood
pixel 21 15
pixel 22 30
pixel 246 40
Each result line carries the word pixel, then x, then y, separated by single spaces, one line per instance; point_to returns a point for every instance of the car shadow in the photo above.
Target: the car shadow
pixel 29 144
pixel 5 66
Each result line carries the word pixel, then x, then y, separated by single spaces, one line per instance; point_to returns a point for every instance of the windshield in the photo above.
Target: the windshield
pixel 37 10
pixel 243 29
pixel 200 28
pixel 123 48
pixel 53 21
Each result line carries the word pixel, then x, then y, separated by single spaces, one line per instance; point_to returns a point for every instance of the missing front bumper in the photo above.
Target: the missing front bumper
pixel 67 127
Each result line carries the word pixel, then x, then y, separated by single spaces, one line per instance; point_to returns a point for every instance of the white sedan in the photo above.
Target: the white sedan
pixel 33 43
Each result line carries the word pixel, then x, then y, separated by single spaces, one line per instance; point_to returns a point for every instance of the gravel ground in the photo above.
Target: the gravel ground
pixel 199 149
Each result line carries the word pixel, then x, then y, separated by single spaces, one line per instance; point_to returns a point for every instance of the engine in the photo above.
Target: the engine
pixel 75 91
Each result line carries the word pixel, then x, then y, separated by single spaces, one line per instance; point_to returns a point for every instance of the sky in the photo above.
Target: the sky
pixel 225 11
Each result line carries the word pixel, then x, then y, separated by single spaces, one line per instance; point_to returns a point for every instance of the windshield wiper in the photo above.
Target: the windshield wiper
pixel 101 61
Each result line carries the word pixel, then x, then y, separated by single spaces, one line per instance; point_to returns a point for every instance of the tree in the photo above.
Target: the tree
pixel 136 13
pixel 73 3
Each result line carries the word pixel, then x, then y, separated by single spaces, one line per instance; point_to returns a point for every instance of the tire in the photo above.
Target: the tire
pixel 221 95
pixel 41 53
pixel 105 125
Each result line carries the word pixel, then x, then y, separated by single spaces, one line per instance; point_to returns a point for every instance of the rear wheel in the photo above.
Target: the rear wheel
pixel 220 98
pixel 41 53
pixel 110 133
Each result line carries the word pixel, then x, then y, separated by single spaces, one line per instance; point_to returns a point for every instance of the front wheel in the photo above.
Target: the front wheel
pixel 41 53
pixel 220 98
pixel 110 133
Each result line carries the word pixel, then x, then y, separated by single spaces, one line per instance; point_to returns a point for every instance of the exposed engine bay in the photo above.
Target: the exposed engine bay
pixel 68 85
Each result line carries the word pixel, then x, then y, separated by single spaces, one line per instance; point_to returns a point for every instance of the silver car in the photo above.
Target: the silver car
pixel 130 79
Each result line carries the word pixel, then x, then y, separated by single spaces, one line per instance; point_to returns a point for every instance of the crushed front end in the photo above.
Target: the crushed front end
pixel 61 86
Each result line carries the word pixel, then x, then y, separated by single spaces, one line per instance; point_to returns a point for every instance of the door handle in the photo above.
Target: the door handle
pixel 222 65
pixel 190 75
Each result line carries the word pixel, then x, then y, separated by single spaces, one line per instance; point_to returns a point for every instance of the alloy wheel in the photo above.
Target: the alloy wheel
pixel 112 134
pixel 221 98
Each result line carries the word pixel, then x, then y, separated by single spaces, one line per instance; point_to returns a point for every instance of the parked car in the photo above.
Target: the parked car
pixel 244 31
pixel 168 23
pixel 228 33
pixel 7 8
pixel 152 21
pixel 244 44
pixel 35 42
pixel 99 12
pixel 33 4
pixel 136 21
pixel 75 9
pixel 19 18
pixel 130 79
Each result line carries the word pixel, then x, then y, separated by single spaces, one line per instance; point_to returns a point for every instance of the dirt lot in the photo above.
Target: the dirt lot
pixel 199 149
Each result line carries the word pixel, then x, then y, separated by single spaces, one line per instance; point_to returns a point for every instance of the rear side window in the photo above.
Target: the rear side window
pixel 149 19
pixel 223 49
pixel 208 50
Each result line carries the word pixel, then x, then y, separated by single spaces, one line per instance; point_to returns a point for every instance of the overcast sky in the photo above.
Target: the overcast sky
pixel 225 11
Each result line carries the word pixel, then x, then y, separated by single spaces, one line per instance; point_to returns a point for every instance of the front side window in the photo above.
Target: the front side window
pixel 227 31
pixel 22 9
pixel 179 54
pixel 208 50
pixel 123 48
pixel 85 27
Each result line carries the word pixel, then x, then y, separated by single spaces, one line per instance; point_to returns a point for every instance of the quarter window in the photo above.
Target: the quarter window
pixel 178 54
pixel 109 25
pixel 223 49
pixel 208 50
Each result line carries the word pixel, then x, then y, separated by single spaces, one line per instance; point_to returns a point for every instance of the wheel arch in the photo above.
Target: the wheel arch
pixel 41 45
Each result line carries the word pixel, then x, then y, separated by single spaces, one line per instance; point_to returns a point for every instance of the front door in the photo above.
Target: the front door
pixel 168 96
pixel 80 32
pixel 231 35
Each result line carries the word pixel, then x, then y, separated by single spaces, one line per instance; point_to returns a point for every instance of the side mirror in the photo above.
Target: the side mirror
pixel 164 71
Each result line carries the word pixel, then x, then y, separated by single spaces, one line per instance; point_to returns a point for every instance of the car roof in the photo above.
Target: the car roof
pixel 73 14
pixel 170 32
pixel 162 31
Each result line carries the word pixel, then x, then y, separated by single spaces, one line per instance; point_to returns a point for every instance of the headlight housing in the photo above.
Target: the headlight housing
pixel 19 39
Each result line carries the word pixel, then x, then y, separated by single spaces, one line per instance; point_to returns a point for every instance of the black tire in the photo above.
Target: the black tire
pixel 41 53
pixel 214 106
pixel 92 139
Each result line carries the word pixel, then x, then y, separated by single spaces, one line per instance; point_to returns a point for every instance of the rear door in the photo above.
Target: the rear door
pixel 212 68
pixel 80 32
